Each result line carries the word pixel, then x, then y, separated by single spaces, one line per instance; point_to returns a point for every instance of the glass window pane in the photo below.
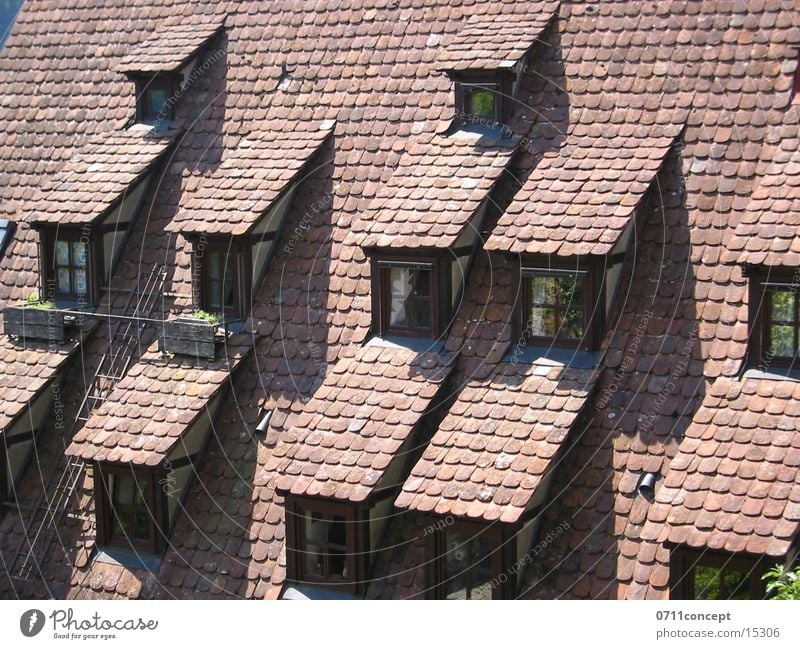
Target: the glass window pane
pixel 314 527
pixel 706 582
pixel 337 564
pixel 410 299
pixel 573 326
pixel 141 525
pixel 782 341
pixel 142 491
pixel 79 254
pixel 229 292
pixel 122 521
pixel 64 281
pixel 215 261
pixel 782 303
pixel 156 98
pixel 62 253
pixel 80 281
pixel 543 290
pixel 543 322
pixel 735 584
pixel 312 560
pixel 481 103
pixel 336 530
pixel 123 491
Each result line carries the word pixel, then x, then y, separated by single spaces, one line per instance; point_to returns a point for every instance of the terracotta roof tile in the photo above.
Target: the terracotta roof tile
pixel 358 421
pixel 98 177
pixel 580 196
pixel 492 41
pixel 501 436
pixel 436 189
pixel 250 180
pixel 768 231
pixel 24 371
pixel 172 45
pixel 157 401
pixel 733 459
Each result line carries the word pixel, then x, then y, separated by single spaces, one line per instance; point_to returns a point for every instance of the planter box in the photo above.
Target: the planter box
pixel 34 324
pixel 189 337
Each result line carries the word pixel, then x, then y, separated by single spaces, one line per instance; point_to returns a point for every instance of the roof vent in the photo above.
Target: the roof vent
pixel 647 485
pixel 263 423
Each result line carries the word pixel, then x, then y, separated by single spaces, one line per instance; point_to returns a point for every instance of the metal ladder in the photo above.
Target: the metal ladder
pixel 124 341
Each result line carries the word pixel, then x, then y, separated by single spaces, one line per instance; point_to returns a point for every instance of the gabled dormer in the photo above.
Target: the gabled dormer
pixel 86 213
pixel 421 230
pixel 233 217
pixel 485 61
pixel 166 64
pixel 569 240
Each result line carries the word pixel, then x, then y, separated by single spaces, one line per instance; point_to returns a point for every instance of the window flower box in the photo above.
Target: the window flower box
pixel 190 336
pixel 32 322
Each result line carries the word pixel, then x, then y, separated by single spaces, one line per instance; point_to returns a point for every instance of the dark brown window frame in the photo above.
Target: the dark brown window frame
pixel 594 300
pixel 761 280
pixel 356 542
pixel 684 560
pixel 147 83
pixel 240 249
pixel 157 507
pixel 501 538
pixel 47 264
pixel 441 290
pixel 501 81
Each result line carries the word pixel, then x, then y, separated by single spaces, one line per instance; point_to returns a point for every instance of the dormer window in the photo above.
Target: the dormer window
pixel 130 514
pixel 412 295
pixel 775 314
pixel 155 99
pixel 69 265
pixel 482 100
pixel 560 307
pixel 224 269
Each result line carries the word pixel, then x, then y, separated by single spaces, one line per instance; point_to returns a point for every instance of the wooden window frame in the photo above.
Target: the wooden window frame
pixel 157 507
pixel 356 542
pixel 241 251
pixel 503 83
pixel 436 548
pixel 762 280
pixel 594 301
pixel 145 84
pixel 683 561
pixel 381 293
pixel 47 263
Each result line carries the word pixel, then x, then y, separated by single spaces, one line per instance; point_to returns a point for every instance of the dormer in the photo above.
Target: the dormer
pixel 420 231
pixel 233 217
pixel 486 60
pixel 569 240
pixel 166 64
pixel 86 213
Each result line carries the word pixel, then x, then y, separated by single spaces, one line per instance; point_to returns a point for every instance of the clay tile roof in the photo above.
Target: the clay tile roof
pixel 437 188
pixel 734 482
pixel 496 41
pixel 172 45
pixel 251 179
pixel 24 371
pixel 98 177
pixel 769 231
pixel 580 197
pixel 499 439
pixel 149 410
pixel 356 424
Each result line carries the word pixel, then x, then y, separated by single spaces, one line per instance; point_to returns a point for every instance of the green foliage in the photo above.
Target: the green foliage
pixel 33 302
pixel 783 583
pixel 211 318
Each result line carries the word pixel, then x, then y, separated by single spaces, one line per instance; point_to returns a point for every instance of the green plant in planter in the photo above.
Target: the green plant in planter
pixel 33 302
pixel 205 316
